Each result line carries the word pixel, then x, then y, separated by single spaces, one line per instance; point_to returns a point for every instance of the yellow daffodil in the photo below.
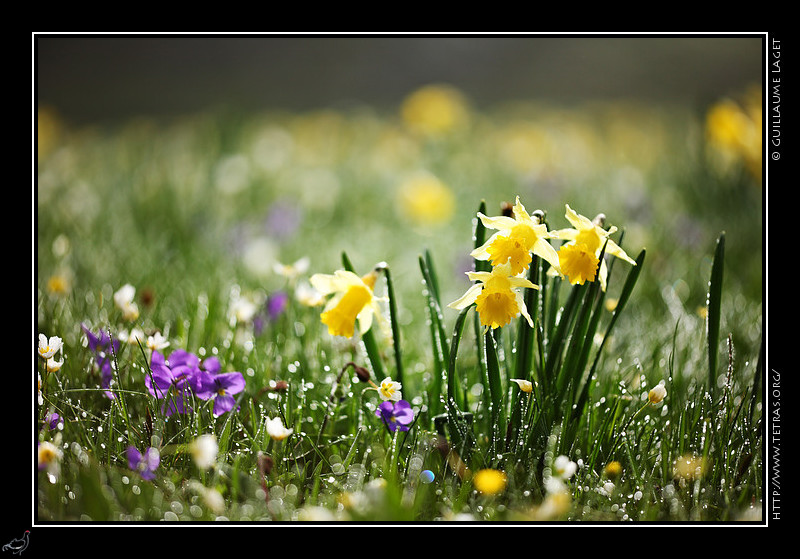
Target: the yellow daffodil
pixel 353 298
pixel 496 296
pixel 579 257
pixel 516 238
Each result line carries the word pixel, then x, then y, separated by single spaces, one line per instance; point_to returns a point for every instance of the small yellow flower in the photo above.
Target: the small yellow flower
pixel 516 238
pixel 580 255
pixel 489 481
pixel 613 469
pixel 496 296
pixel 353 298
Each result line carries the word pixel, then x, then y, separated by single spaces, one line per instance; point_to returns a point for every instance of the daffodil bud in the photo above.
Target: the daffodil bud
pixel 600 219
pixel 657 394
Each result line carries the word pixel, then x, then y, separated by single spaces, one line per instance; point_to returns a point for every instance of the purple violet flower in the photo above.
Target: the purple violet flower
pixel 176 375
pixel 220 387
pixel 104 348
pixel 146 463
pixel 396 415
pixel 52 420
pixel 276 304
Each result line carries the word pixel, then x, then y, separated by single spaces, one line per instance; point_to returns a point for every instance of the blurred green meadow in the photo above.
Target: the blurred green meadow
pixel 218 220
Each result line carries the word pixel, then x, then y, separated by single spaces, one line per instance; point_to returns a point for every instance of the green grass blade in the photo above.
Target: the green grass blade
pixel 714 301
pixel 398 356
pixel 438 343
pixel 453 395
pixel 495 387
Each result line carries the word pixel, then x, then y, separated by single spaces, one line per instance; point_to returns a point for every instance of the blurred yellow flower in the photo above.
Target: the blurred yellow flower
pixel 496 296
pixel 613 469
pixel 353 298
pixel 689 467
pixel 58 284
pixel 489 481
pixel 516 238
pixel 425 200
pixel 734 132
pixel 579 256
pixel 435 109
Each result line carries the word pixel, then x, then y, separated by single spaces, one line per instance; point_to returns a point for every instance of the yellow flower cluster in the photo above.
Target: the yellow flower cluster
pixel 510 251
pixel 496 295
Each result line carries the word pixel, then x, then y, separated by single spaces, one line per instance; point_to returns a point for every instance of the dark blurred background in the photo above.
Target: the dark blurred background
pixel 89 78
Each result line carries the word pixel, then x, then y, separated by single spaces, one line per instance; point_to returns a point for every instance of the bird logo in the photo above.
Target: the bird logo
pixel 18 545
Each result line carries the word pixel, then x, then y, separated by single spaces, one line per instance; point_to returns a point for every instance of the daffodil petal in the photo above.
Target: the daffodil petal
pixel 482 253
pixel 467 298
pixel 578 221
pixel 564 234
pixel 522 282
pixel 521 215
pixel 365 319
pixel 500 222
pixel 615 250
pixel 545 250
pixel 523 309
pixel 479 276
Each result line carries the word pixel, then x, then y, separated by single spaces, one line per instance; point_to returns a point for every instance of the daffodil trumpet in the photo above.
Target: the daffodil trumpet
pixel 496 296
